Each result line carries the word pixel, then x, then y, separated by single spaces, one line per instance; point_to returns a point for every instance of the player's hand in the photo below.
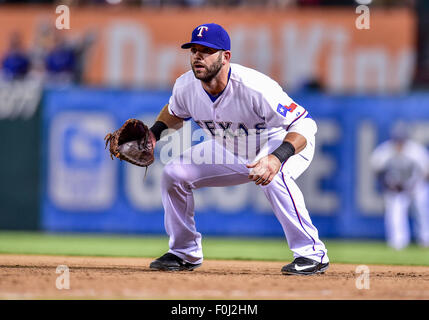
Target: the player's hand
pixel 264 170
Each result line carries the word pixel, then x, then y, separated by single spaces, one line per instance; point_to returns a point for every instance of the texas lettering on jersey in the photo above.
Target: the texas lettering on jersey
pixel 228 129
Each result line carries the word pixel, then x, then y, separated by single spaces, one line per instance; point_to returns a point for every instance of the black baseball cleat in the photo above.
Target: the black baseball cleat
pixel 170 262
pixel 304 266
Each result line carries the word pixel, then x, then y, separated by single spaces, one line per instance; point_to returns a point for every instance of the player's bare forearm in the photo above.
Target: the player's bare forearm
pixel 298 141
pixel 172 122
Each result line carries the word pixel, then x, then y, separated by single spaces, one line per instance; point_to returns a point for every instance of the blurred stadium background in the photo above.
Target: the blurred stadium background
pixel 61 91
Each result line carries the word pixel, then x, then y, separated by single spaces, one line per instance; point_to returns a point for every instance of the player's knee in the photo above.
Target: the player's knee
pixel 173 175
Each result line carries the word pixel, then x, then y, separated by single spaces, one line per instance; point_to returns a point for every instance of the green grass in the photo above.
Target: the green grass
pixel 354 252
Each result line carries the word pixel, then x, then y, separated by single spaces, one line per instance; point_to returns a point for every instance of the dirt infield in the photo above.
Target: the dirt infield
pixel 34 277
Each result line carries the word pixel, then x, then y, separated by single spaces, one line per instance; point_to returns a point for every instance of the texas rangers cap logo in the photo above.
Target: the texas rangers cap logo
pixel 202 28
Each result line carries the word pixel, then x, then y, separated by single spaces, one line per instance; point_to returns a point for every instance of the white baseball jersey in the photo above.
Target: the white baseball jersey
pixel 250 103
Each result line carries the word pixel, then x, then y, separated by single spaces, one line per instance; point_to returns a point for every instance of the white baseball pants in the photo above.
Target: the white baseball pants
pixel 182 175
pixel 397 204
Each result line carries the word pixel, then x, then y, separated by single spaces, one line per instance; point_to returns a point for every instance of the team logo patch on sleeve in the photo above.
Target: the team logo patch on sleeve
pixel 281 109
pixel 284 109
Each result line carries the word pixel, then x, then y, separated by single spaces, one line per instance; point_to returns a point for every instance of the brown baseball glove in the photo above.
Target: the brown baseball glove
pixel 132 142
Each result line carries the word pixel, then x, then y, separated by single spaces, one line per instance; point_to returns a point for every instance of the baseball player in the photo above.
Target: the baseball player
pixel 236 106
pixel 402 167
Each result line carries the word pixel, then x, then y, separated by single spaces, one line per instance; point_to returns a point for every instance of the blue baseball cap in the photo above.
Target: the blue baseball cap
pixel 210 35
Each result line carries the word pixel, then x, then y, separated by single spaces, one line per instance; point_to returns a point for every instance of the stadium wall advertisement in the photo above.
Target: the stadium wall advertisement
pixel 141 48
pixel 84 190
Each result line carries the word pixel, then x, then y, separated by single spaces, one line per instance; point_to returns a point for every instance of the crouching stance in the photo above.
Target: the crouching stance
pixel 236 106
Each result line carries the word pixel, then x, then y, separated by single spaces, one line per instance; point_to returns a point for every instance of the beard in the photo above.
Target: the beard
pixel 210 72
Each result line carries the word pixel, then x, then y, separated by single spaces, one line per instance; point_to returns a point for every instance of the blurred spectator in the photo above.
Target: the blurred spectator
pixel 16 62
pixel 42 43
pixel 57 59
pixel 402 167
pixel 60 62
